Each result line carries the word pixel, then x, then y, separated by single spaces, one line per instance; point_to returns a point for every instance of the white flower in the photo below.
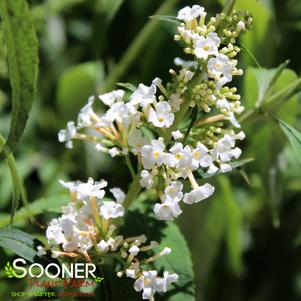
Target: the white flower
pixel 224 167
pixel 100 148
pixel 68 134
pixel 150 283
pixel 65 231
pixel 198 194
pixel 134 250
pixel 120 112
pixel 54 232
pixel 175 102
pixel 72 186
pixel 84 116
pixel 240 26
pixel 111 243
pixel 146 180
pixel 110 98
pixel 174 190
pixel 231 117
pixel 207 46
pixel 187 34
pixel 103 246
pixel 91 189
pixel 212 169
pixel 163 283
pixel 240 136
pixel 146 282
pixel 157 82
pixel 189 13
pixel 168 209
pixel 111 210
pixel 114 243
pixel 161 116
pixel 114 151
pixel 177 135
pixel 220 68
pixel 153 154
pixel 133 270
pixel 223 104
pixel 185 64
pixel 136 140
pixel 41 251
pixel 224 149
pixel 185 75
pixel 200 155
pixel 118 194
pixel 183 157
pixel 143 96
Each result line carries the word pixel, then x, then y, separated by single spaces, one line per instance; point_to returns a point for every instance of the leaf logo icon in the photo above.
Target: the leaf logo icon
pixel 98 279
pixel 10 272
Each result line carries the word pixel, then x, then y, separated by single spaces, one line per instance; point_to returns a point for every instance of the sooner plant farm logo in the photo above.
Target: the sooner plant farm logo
pixel 67 276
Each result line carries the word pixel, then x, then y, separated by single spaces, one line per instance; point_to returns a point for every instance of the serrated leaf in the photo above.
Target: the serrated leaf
pixel 293 136
pixel 23 65
pixel 19 242
pixel 140 220
pixel 234 165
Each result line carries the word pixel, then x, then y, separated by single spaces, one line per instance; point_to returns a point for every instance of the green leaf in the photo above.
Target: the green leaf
pixel 19 242
pixel 275 90
pixel 293 136
pixel 51 204
pixel 233 226
pixel 140 220
pixel 108 8
pixel 272 91
pixel 104 12
pixel 234 165
pixel 128 86
pixel 10 160
pixel 76 85
pixel 23 65
pixel 170 19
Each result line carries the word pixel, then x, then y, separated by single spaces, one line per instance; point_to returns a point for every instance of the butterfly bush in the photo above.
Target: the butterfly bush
pixel 168 134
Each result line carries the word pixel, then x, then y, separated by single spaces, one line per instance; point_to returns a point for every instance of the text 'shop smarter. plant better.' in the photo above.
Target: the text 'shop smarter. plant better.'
pixel 174 131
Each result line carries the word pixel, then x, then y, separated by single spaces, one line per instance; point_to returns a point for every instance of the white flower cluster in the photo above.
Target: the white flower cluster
pixel 76 229
pixel 168 134
pixel 86 229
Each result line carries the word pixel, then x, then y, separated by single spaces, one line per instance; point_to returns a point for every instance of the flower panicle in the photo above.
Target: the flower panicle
pixel 194 128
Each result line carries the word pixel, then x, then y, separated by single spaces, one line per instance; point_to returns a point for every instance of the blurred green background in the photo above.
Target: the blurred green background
pixel 246 240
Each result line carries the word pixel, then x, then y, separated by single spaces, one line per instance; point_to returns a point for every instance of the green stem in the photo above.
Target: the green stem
pixel 130 166
pixel 133 191
pixel 198 76
pixel 137 45
pixel 18 184
pixel 269 104
pixel 229 5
